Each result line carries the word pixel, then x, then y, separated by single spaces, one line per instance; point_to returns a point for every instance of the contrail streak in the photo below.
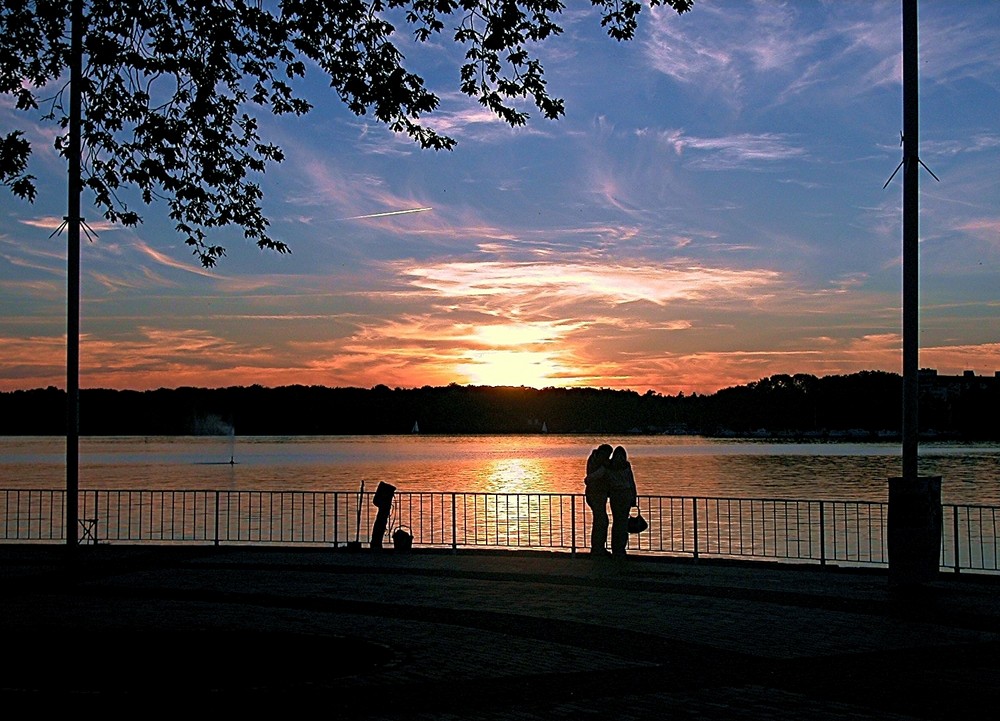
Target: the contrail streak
pixel 387 213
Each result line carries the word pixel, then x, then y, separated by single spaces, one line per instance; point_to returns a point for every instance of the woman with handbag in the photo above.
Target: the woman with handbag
pixel 623 496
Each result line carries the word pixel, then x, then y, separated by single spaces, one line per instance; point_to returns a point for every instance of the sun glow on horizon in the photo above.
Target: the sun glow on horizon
pixel 536 369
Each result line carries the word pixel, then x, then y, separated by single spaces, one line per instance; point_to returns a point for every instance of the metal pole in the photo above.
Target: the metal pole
pixel 822 534
pixel 911 242
pixel 572 522
pixel 955 542
pixel 694 516
pixel 73 222
pixel 914 523
pixel 454 524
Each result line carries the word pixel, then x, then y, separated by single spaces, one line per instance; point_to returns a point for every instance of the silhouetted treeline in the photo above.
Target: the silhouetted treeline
pixel 865 404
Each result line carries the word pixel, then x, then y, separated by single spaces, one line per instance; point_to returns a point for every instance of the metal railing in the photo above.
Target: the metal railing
pixel 817 531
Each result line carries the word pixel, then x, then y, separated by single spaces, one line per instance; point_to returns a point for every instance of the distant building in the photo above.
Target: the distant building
pixel 946 388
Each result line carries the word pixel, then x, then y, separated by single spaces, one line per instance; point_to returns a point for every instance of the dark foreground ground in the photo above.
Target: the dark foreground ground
pixel 432 635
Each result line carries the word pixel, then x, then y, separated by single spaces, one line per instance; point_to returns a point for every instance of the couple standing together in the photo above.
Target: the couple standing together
pixel 609 478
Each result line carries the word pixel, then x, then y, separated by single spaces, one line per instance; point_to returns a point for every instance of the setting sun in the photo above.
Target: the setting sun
pixel 536 369
pixel 515 354
pixel 519 334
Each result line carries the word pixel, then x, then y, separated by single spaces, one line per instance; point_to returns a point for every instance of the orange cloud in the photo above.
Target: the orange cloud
pixel 613 283
pixel 438 353
pixel 53 223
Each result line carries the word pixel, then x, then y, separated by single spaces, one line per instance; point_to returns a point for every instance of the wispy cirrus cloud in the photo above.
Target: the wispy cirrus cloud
pixel 780 46
pixel 458 117
pixel 746 41
pixel 865 41
pixel 117 284
pixel 776 39
pixel 986 229
pixel 612 283
pixel 166 260
pixel 469 121
pixel 33 255
pixel 984 142
pixel 329 194
pixel 675 49
pixel 960 45
pixel 744 150
pixel 322 184
pixel 53 223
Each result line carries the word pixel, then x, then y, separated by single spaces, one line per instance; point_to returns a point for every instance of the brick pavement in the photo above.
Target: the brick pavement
pixel 433 635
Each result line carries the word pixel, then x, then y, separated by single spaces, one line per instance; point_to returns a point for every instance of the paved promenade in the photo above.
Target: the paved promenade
pixel 435 635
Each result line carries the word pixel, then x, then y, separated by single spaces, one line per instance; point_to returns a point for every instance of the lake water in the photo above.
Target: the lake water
pixel 663 465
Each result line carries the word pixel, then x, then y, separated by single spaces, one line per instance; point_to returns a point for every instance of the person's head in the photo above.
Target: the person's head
pixel 603 452
pixel 620 457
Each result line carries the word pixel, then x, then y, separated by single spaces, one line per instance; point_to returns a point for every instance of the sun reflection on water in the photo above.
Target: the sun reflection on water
pixel 513 475
pixel 536 463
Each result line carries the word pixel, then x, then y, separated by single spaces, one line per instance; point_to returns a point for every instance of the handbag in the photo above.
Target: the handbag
pixel 636 523
pixel 402 539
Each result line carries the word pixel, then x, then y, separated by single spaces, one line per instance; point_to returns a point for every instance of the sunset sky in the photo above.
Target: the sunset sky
pixel 710 211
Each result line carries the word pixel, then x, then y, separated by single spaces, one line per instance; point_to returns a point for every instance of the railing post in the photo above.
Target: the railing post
pixel 822 533
pixel 217 518
pixel 954 543
pixel 572 521
pixel 336 519
pixel 694 515
pixel 454 524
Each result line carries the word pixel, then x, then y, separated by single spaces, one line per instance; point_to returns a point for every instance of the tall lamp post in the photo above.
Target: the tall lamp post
pixel 914 524
pixel 911 240
pixel 73 223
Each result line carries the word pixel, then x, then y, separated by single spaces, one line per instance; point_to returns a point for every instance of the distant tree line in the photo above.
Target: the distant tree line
pixel 865 404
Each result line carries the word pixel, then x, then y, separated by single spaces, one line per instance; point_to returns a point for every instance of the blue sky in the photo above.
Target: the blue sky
pixel 709 211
